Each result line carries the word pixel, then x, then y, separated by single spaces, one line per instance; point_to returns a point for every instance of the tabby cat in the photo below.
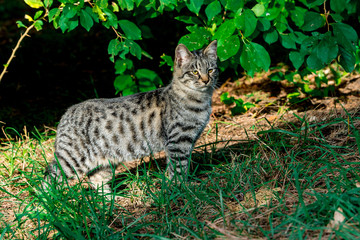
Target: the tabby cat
pixel 99 132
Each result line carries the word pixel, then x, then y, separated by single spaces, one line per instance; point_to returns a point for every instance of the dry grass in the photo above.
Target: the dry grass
pixel 269 181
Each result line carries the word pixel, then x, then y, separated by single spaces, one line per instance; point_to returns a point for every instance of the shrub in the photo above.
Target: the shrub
pixel 311 33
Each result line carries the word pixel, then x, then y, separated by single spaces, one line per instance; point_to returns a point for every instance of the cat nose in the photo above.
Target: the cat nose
pixel 205 78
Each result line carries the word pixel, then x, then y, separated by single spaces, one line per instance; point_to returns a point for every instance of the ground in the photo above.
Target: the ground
pixel 248 140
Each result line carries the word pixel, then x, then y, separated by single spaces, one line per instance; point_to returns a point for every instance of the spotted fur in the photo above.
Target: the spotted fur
pixel 100 132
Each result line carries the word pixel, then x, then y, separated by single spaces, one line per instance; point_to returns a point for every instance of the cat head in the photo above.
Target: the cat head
pixel 196 70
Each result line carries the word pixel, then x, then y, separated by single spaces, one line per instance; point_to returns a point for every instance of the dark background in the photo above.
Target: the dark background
pixel 53 71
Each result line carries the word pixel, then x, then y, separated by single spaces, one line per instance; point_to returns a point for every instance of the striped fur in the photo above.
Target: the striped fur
pixel 102 131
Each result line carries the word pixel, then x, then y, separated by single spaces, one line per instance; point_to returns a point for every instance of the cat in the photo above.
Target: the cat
pixel 98 133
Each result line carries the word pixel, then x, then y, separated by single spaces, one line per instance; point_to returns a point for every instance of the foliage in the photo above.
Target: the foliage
pixel 312 33
pixel 240 106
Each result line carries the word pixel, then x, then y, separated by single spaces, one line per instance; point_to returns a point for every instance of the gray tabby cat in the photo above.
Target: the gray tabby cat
pixel 100 132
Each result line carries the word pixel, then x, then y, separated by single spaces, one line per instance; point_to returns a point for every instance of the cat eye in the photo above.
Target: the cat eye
pixel 210 70
pixel 195 72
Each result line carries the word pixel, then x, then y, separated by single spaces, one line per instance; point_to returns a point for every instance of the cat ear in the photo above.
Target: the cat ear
pixel 182 55
pixel 210 50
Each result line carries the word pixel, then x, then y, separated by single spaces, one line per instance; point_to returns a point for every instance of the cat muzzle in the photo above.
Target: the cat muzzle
pixel 205 79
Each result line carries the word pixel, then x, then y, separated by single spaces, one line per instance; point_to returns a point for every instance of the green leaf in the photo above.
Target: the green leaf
pixel 212 10
pixel 233 5
pixel 167 3
pixel 228 47
pixel 288 41
pixel 195 6
pixel 258 9
pixel 167 60
pixel 281 23
pixel 347 59
pixel 312 3
pixel 307 44
pixel 346 36
pixel 135 49
pixel 312 21
pixel 327 49
pixel 272 13
pixel 63 23
pixel 246 21
pixel 314 62
pixel 225 98
pixel 123 82
pixel 263 24
pixel 248 105
pixel 69 10
pixel 297 15
pixel 146 54
pixel 189 19
pixel 130 29
pixel 54 13
pixel 115 46
pixel 86 20
pixel 276 76
pixel 142 74
pixel 296 58
pixel 38 14
pixel 114 7
pixel 196 39
pixel 121 65
pixel 48 3
pixel 299 37
pixel 126 4
pixel 270 36
pixel 20 24
pixel 225 30
pixel 338 5
pixel 125 49
pixel 34 3
pixel 293 95
pixel 239 107
pixel 254 57
pixel 97 11
pixel 72 24
pixel 111 20
pixel 38 25
pixel 262 56
pixel 93 15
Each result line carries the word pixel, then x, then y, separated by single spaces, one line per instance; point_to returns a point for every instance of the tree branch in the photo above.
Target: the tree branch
pixel 15 49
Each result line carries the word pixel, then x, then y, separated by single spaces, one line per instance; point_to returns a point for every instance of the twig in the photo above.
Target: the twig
pixel 15 49
pixel 117 33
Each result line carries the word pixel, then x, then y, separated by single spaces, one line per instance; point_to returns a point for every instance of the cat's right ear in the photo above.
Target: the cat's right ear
pixel 182 55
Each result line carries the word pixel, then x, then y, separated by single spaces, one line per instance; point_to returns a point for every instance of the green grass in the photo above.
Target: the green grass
pixel 285 182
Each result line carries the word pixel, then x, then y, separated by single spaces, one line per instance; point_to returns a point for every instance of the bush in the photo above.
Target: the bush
pixel 312 33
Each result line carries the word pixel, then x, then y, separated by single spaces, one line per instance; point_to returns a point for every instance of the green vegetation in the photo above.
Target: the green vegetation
pixel 287 181
pixel 240 106
pixel 309 34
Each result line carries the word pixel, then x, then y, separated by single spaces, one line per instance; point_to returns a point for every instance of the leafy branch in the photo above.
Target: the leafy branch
pixel 311 37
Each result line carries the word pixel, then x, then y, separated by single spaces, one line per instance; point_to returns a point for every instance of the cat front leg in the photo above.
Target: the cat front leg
pixel 178 160
pixel 100 179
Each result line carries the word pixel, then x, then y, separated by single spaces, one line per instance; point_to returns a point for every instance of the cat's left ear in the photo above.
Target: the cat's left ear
pixel 210 50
